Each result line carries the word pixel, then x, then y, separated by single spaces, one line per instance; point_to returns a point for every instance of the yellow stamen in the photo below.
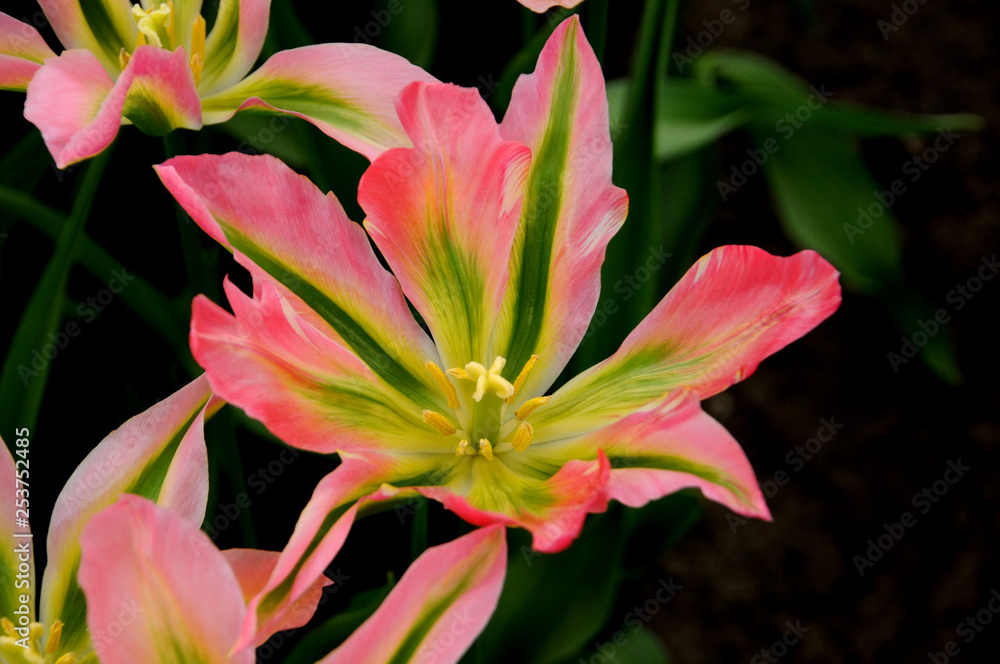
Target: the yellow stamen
pixel 198 47
pixel 123 58
pixel 522 437
pixel 529 406
pixel 521 377
pixel 8 626
pixel 55 635
pixel 170 23
pixel 140 40
pixel 443 383
pixel 464 449
pixel 68 658
pixel 459 373
pixel 439 422
pixel 486 449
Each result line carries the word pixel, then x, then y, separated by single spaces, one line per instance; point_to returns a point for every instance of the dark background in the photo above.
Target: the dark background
pixel 899 432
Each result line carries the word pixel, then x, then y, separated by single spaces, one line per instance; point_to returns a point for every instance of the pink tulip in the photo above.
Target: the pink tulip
pixel 496 235
pixel 153 65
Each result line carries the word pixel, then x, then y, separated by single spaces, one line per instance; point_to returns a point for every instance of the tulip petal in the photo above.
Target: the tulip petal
pixel 300 382
pixel 103 27
pixel 253 568
pixel 78 108
pixel 158 591
pixel 287 233
pixel 439 607
pixel 22 51
pixel 444 213
pixel 347 90
pixel 18 549
pixel 571 210
pixel 665 447
pixel 159 454
pixel 732 309
pixel 235 42
pixel 540 6
pixel 319 534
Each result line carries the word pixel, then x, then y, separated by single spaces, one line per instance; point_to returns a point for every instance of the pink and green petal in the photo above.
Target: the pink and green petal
pixel 103 27
pixel 22 52
pixel 734 307
pixel 181 598
pixel 234 43
pixel 444 214
pixel 347 90
pixel 439 607
pixel 541 6
pixel 571 209
pixel 289 234
pixel 159 454
pixel 319 534
pixel 18 549
pixel 298 380
pixel 78 108
pixel 253 568
pixel 665 447
pixel 551 502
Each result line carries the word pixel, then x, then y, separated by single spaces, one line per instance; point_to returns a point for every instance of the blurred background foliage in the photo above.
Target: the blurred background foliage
pixel 692 124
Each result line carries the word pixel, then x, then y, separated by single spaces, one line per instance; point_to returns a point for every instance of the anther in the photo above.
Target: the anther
pixel 529 406
pixel 68 658
pixel 521 377
pixel 522 437
pixel 439 422
pixel 443 383
pixel 8 626
pixel 55 635
pixel 464 449
pixel 486 449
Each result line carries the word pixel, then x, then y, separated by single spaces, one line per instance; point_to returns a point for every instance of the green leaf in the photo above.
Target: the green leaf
pixel 321 641
pixel 411 31
pixel 642 647
pixel 827 201
pixel 25 369
pixel 556 604
pixel 691 115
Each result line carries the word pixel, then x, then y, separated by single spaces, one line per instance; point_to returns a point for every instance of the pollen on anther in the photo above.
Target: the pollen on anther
pixel 529 406
pixel 439 422
pixel 521 377
pixel 522 437
pixel 443 383
pixel 486 449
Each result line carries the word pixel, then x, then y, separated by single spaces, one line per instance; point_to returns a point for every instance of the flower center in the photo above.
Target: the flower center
pixel 23 645
pixel 157 27
pixel 483 426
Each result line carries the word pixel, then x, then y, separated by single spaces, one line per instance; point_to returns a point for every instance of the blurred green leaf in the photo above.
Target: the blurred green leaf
pixel 412 32
pixel 827 201
pixel 25 164
pixel 319 642
pixel 938 354
pixel 691 114
pixel 642 647
pixel 556 604
pixel 26 369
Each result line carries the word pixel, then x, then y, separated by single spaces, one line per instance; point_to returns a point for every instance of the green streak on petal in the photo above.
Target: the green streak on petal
pixel 221 42
pixel 540 215
pixel 681 465
pixel 353 334
pixel 425 622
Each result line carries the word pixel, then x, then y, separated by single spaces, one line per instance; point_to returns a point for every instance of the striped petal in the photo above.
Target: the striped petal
pixel 158 591
pixel 253 568
pixel 444 214
pixel 571 209
pixel 319 534
pixel 103 27
pixel 234 43
pixel 22 51
pixel 78 108
pixel 159 454
pixel 541 6
pixel 287 233
pixel 439 607
pixel 667 446
pixel 732 309
pixel 17 555
pixel 298 380
pixel 347 90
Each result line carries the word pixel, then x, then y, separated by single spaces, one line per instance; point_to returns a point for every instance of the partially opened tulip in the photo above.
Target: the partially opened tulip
pixel 159 454
pixel 496 235
pixel 153 65
pixel 189 598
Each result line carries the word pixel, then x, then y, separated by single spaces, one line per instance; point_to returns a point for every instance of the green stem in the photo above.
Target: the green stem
pixel 418 538
pixel 194 254
pixel 149 304
pixel 24 377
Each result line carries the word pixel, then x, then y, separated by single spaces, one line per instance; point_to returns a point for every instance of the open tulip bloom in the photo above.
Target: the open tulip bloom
pixel 496 235
pixel 152 65
pixel 131 578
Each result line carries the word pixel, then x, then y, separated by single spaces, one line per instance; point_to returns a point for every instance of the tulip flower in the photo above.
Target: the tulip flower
pixel 153 65
pixel 189 598
pixel 159 454
pixel 496 235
